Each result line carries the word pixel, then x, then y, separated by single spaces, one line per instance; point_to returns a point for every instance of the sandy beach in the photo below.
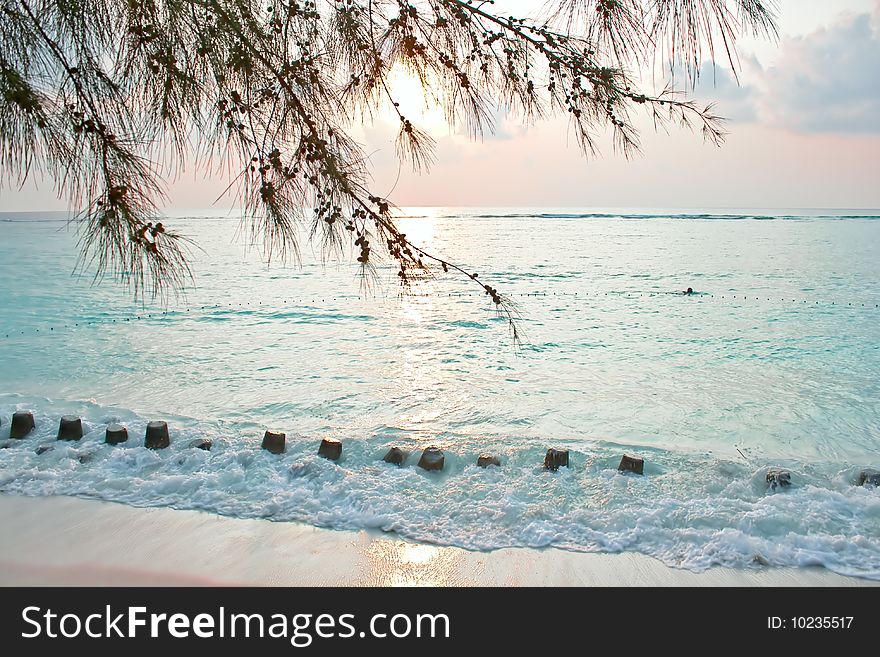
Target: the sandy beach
pixel 75 542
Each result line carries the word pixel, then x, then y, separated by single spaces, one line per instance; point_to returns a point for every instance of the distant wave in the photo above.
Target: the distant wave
pixel 37 220
pixel 48 217
pixel 610 215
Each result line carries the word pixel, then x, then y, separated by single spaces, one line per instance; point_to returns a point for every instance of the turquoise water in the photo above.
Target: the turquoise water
pixel 711 390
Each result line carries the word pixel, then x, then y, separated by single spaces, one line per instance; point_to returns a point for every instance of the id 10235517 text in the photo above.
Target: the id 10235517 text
pixel 810 622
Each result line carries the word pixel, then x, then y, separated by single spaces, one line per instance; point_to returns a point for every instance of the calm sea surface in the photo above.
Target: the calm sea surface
pixel 774 362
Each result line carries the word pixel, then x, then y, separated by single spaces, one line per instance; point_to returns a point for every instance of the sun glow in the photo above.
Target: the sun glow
pixel 414 102
pixel 419 226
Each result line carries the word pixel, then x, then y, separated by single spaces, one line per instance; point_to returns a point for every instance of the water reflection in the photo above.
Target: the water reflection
pixel 397 563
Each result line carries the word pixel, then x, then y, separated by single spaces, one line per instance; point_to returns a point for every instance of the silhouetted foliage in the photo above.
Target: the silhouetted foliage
pixel 111 97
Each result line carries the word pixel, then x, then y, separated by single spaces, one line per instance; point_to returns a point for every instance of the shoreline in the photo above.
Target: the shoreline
pixel 68 541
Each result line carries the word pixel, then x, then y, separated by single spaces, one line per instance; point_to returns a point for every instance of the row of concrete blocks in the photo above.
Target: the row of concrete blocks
pixel 432 458
pixel 71 428
pixel 157 437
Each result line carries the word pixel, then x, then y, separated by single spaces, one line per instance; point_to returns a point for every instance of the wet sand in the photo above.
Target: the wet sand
pixel 76 542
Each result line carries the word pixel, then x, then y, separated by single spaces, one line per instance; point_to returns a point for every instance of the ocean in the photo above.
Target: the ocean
pixel 773 362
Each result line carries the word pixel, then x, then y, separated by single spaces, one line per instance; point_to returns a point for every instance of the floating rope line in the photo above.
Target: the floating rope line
pixel 625 294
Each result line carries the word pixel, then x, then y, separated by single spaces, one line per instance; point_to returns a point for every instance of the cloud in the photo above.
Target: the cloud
pixel 736 100
pixel 824 82
pixel 827 81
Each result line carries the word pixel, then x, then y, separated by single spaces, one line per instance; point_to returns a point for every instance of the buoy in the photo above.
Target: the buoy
pixel 484 461
pixel 22 424
pixel 330 448
pixel 157 435
pixel 777 478
pixel 115 434
pixel 70 428
pixel 202 443
pixel 273 441
pixel 869 478
pixel 631 464
pixel 395 456
pixel 432 459
pixel 555 459
pixel 42 449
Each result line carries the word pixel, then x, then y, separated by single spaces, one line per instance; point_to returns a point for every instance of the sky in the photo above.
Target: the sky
pixel 804 124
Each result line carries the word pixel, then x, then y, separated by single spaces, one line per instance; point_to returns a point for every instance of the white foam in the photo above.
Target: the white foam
pixel 689 511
